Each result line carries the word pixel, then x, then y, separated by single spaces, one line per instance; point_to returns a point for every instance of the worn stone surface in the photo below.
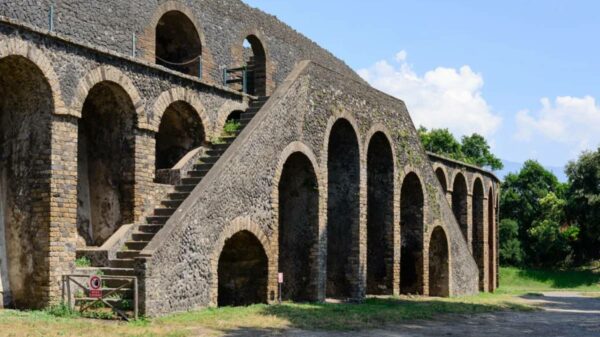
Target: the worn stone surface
pixel 83 154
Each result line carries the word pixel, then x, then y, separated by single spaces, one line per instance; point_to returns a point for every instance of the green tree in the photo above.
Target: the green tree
pixel 477 151
pixel 442 142
pixel 550 240
pixel 520 199
pixel 584 203
pixel 510 250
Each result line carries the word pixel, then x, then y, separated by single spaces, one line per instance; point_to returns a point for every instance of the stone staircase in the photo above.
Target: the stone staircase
pixel 124 263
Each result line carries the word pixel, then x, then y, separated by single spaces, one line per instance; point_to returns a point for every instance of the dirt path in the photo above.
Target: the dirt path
pixel 563 314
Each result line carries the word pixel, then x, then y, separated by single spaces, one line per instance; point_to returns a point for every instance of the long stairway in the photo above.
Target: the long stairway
pixel 124 263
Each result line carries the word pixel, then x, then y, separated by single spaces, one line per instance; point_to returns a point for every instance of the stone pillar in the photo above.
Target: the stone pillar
pixel 144 187
pixel 63 202
pixel 470 222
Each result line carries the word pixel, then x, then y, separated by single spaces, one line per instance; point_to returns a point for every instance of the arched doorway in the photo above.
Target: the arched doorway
pixel 105 163
pixel 491 242
pixel 439 270
pixel 441 176
pixel 243 270
pixel 380 216
pixel 459 204
pixel 411 227
pixel 26 108
pixel 298 228
pixel 255 59
pixel 180 131
pixel 178 44
pixel 478 230
pixel 343 210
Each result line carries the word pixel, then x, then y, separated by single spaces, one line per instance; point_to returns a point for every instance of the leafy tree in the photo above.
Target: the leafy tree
pixel 442 142
pixel 510 250
pixel 474 149
pixel 477 151
pixel 584 203
pixel 550 240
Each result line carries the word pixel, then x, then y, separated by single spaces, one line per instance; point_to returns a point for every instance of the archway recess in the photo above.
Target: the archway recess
pixel 439 264
pixel 178 44
pixel 411 227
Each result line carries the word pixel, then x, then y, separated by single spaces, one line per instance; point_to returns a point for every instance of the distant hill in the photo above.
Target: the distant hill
pixel 513 167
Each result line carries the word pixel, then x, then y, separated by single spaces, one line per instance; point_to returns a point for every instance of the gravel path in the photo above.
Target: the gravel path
pixel 563 314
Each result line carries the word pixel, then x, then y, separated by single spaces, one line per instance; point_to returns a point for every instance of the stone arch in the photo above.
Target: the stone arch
pixel 224 113
pixel 114 75
pixel 412 217
pixel 439 263
pixel 460 195
pixel 380 214
pixel 105 162
pixel 297 198
pixel 17 47
pixel 251 51
pixel 343 171
pixel 237 226
pixel 478 231
pixel 442 177
pixel 27 102
pixel 491 244
pixel 148 39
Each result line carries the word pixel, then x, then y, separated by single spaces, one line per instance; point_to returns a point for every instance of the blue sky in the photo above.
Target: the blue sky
pixel 526 74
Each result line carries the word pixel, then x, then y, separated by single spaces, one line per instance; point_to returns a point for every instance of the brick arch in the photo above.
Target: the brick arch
pixel 427 247
pixel 376 128
pixel 474 178
pixel 455 174
pixel 439 167
pixel 180 95
pixel 224 112
pixel 114 75
pixel 237 225
pixel 147 41
pixel 18 47
pixel 339 115
pixel 237 53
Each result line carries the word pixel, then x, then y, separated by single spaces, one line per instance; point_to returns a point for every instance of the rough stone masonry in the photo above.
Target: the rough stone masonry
pixel 113 148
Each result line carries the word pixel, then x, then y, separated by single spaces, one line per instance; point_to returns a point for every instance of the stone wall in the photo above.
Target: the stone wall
pixel 238 193
pixel 222 26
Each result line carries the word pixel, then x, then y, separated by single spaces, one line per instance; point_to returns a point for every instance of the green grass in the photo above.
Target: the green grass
pixel 519 281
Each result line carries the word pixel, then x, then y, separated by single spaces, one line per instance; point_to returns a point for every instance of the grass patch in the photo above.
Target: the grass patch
pixel 83 262
pixel 519 281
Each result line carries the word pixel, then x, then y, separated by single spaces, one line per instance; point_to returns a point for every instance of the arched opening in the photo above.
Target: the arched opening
pixel 255 59
pixel 105 163
pixel 343 210
pixel 439 270
pixel 491 242
pixel 411 227
pixel 380 216
pixel 26 107
pixel 243 271
pixel 459 204
pixel 298 228
pixel 178 44
pixel 441 176
pixel 180 131
pixel 234 116
pixel 478 238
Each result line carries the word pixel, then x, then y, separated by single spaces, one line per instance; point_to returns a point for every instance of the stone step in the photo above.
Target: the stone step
pixel 214 153
pixel 178 195
pixel 185 188
pixel 209 160
pixel 203 167
pixel 191 180
pixel 141 236
pixel 118 271
pixel 172 203
pixel 157 219
pixel 220 146
pixel 128 254
pixel 150 228
pixel 197 173
pixel 136 245
pixel 122 263
pixel 164 211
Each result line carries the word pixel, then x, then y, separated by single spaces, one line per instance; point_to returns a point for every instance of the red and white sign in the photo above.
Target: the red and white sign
pixel 95 286
pixel 280 278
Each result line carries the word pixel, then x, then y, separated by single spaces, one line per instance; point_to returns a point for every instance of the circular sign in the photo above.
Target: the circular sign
pixel 95 282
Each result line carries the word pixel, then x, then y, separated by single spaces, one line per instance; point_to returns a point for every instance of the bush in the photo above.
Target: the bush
pixel 510 252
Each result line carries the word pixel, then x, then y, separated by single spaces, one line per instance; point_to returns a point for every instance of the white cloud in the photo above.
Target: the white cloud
pixel 568 120
pixel 441 98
